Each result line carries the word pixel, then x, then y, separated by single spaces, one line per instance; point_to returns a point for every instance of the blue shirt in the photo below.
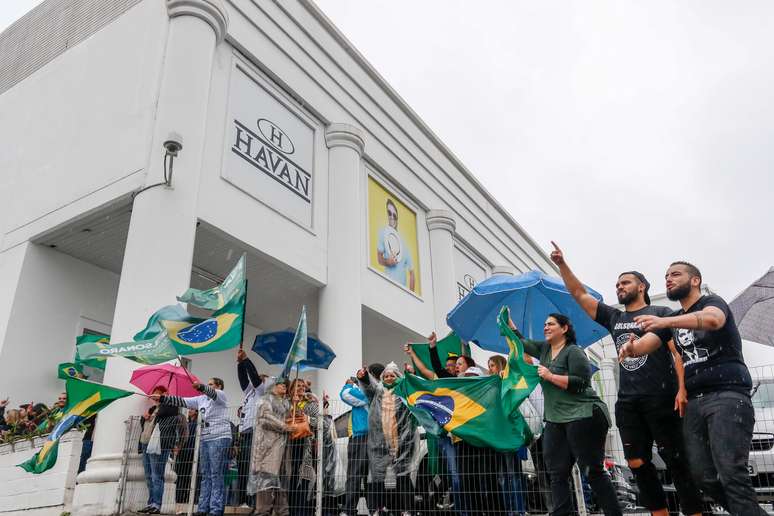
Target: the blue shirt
pixel 397 272
pixel 355 398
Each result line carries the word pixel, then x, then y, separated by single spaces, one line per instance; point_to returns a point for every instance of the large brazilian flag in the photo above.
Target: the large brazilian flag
pixel 481 411
pixel 449 345
pixel 84 399
pixel 190 335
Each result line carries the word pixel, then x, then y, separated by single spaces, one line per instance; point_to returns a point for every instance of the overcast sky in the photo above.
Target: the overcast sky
pixel 632 133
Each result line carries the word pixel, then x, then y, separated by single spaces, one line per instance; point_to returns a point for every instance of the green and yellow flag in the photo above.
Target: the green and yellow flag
pixel 67 370
pixel 84 399
pixel 222 330
pixel 150 351
pixel 469 408
pixel 97 362
pixel 481 411
pixel 519 377
pixel 218 297
pixel 451 345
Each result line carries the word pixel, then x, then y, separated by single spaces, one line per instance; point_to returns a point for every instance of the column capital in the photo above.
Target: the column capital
pixel 211 11
pixel 502 270
pixel 441 219
pixel 345 135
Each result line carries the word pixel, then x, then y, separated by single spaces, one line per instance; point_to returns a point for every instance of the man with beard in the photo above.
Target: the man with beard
pixel 719 418
pixel 651 397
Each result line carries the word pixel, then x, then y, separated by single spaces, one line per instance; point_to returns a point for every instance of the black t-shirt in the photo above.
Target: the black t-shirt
pixel 648 375
pixel 712 358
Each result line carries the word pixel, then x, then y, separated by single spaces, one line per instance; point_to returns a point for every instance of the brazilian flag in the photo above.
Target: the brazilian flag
pixel 469 408
pixel 97 362
pixel 84 399
pixel 217 297
pixel 451 345
pixel 190 335
pixel 481 411
pixel 67 370
pixel 519 377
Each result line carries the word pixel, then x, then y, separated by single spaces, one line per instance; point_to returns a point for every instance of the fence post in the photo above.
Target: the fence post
pixel 320 450
pixel 124 467
pixel 194 467
pixel 577 482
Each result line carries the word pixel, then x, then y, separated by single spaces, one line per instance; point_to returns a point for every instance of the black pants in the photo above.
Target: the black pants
pixel 718 431
pixel 357 471
pixel 582 441
pixel 641 421
pixel 477 470
pixel 243 466
pixel 299 501
pixel 397 501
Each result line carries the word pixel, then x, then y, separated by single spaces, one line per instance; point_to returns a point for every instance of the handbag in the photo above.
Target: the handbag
pixel 154 445
pixel 302 429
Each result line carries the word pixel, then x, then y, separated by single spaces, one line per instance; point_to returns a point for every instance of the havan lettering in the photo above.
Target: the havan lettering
pixel 269 159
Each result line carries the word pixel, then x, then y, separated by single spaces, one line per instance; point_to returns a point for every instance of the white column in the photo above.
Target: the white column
pixel 441 225
pixel 340 318
pixel 502 270
pixel 160 242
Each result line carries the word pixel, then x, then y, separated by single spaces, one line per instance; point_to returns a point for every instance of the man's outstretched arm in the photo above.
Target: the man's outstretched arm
pixel 573 284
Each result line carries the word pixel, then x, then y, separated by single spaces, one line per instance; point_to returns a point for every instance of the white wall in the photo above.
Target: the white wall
pixel 80 126
pixel 46 494
pixel 54 292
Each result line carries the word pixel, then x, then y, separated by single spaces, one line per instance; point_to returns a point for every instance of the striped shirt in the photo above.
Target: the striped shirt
pixel 213 412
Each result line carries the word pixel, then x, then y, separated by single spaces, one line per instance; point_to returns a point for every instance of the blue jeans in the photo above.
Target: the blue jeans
pixel 212 461
pixel 154 465
pixel 718 429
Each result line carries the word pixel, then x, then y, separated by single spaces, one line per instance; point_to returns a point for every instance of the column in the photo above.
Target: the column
pixel 502 270
pixel 441 225
pixel 159 248
pixel 340 318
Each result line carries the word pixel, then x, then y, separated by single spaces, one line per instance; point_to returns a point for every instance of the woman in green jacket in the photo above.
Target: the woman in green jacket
pixel 576 420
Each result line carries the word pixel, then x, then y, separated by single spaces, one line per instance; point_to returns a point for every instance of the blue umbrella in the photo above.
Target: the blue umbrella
pixel 531 297
pixel 273 347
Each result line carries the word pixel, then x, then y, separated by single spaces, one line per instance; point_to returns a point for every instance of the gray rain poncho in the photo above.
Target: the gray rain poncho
pixel 270 435
pixel 391 429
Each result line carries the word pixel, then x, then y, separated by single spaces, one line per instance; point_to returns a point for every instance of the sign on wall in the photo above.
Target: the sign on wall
pixel 467 272
pixel 270 149
pixel 392 236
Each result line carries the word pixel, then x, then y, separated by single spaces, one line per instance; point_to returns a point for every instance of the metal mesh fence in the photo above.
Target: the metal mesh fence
pixel 321 463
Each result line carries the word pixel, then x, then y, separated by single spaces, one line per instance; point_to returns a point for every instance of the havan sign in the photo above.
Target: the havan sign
pixel 270 152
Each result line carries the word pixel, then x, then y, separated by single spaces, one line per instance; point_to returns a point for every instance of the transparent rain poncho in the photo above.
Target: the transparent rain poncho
pixel 270 435
pixel 391 430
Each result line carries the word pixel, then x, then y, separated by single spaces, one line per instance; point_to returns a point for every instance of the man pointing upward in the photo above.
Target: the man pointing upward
pixel 651 395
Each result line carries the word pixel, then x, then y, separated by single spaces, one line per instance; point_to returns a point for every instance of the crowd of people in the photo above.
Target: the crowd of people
pixel 683 386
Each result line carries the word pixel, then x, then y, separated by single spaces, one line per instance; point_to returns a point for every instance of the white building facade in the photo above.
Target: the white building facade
pixel 291 142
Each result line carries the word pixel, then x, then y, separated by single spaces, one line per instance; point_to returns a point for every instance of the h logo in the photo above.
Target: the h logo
pixel 275 136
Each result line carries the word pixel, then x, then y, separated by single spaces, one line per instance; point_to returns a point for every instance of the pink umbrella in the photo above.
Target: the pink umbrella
pixel 177 380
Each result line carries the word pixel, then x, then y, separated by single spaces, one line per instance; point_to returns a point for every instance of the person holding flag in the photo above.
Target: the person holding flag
pixel 215 441
pixel 576 420
pixel 391 430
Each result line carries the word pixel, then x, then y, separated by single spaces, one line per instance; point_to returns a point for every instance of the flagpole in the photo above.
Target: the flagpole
pixel 244 309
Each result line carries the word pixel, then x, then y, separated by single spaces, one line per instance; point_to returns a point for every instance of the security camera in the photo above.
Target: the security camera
pixel 174 144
